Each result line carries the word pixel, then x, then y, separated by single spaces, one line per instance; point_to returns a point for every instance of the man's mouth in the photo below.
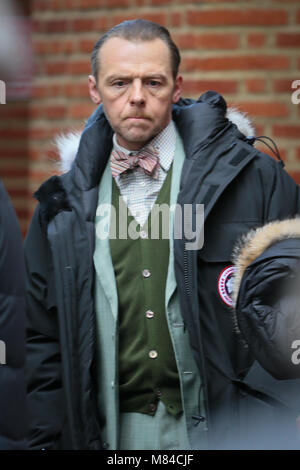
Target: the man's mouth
pixel 138 117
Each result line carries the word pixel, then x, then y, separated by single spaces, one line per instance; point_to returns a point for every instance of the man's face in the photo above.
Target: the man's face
pixel 136 88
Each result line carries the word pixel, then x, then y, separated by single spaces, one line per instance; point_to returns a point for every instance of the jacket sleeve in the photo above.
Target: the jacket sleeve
pixel 13 422
pixel 43 364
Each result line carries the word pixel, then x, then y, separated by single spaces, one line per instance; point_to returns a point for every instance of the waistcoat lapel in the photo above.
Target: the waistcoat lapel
pixel 102 258
pixel 175 183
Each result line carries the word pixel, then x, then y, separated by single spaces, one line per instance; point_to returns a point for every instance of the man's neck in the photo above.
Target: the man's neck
pixel 120 147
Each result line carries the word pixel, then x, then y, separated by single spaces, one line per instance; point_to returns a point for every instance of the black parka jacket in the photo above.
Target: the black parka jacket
pixel 240 189
pixel 267 295
pixel 13 414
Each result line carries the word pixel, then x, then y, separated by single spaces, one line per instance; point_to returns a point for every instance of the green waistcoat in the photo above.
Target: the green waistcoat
pixel 147 365
pixel 106 358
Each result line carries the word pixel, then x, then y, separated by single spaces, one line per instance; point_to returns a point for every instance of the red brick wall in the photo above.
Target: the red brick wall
pixel 14 165
pixel 247 50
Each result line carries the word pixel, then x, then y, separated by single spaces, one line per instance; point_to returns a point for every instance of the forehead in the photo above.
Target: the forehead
pixel 118 55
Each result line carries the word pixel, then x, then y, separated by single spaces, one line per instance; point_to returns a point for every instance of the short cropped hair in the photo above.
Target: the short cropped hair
pixel 137 30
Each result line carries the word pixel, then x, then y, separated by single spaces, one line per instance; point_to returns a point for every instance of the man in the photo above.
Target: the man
pixel 131 341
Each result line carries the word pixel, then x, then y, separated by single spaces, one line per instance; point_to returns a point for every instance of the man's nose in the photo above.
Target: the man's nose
pixel 137 96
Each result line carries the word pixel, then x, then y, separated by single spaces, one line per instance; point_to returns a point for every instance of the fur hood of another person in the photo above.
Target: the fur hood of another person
pixel 266 295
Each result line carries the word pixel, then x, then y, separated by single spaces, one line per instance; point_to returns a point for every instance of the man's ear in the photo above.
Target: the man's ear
pixel 94 93
pixel 177 88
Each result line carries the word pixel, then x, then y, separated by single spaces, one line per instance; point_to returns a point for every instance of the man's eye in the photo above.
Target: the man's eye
pixel 119 84
pixel 154 83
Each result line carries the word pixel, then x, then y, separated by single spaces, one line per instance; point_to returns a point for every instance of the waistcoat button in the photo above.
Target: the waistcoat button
pixel 149 314
pixel 146 273
pixel 153 354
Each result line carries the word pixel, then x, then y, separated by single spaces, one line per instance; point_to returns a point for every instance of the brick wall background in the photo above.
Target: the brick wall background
pixel 247 50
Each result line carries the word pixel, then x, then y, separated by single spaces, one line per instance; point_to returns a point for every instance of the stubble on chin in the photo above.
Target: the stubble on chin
pixel 135 134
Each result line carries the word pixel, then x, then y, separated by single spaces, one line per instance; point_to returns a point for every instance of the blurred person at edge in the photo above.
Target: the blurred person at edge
pixel 131 344
pixel 266 294
pixel 15 50
pixel 13 413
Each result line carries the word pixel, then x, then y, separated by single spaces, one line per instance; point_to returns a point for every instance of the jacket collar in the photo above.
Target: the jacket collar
pixel 198 122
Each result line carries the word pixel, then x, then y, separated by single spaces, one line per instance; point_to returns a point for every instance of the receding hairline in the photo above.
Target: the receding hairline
pixel 133 41
pixel 138 30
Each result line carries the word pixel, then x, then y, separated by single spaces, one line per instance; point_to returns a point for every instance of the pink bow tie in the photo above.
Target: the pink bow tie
pixel 147 159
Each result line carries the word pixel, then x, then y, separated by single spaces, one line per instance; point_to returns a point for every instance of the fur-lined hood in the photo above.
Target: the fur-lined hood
pixel 256 242
pixel 67 144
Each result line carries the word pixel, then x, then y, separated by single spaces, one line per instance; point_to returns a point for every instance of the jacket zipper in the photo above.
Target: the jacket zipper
pixel 66 284
pixel 185 271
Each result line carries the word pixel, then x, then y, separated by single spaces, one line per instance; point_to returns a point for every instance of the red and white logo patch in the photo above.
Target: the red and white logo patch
pixel 225 285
